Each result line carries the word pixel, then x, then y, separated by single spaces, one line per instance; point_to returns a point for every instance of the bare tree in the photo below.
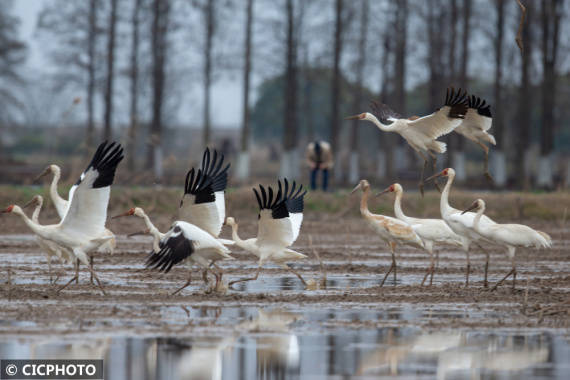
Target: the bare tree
pixel 457 141
pixel 91 45
pixel 354 172
pixel 551 14
pixel 401 37
pixel 243 159
pixel 525 99
pixel 134 79
pixel 12 54
pixel 335 88
pixel 161 11
pixel 108 133
pixel 499 161
pixel 209 24
pixel 385 159
pixel 289 159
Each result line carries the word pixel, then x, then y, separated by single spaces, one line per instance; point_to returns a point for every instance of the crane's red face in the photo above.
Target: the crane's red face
pixel 391 189
pixel 445 172
pixel 8 209
pixel 128 213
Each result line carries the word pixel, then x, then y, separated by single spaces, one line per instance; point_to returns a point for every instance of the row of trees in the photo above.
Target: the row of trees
pixel 323 59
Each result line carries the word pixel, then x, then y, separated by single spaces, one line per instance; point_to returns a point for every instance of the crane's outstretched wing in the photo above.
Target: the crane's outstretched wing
pixel 384 113
pixel 280 218
pixel 203 202
pixel 444 120
pixel 174 248
pixel 87 211
pixel 478 120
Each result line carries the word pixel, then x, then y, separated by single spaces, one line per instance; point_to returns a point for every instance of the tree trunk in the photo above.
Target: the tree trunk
pixel 134 74
pixel 386 141
pixel 308 97
pixel 91 41
pixel 457 141
pixel 243 159
pixel 209 22
pixel 108 132
pixel 551 14
pixel 524 104
pixel 354 172
pixel 159 49
pixel 335 87
pixel 498 162
pixel 289 159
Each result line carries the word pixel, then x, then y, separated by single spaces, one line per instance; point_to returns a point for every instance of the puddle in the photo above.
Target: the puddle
pixel 281 343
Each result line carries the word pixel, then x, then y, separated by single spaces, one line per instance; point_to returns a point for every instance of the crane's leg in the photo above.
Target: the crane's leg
pixel 485 282
pixel 286 266
pixel 247 279
pixel 430 270
pixel 49 269
pixel 93 274
pixel 468 269
pixel 74 278
pixel 185 284
pixel 423 170
pixel 512 272
pixel 392 266
pixel 486 165
pixel 76 271
pixel 434 166
pixel 91 265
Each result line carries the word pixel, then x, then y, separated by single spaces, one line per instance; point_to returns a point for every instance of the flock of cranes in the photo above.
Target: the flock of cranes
pixel 194 237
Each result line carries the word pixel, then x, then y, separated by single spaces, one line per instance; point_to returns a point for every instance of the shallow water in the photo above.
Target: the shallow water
pixel 281 343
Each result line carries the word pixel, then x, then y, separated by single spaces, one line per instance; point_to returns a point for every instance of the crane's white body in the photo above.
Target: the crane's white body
pixel 431 231
pixel 62 207
pixel 511 236
pixel 209 216
pixel 423 132
pixel 206 247
pixel 272 241
pixel 475 126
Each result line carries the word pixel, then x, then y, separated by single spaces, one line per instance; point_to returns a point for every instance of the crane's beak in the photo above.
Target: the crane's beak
pixel 355 188
pixel 354 117
pixel 30 203
pixel 43 174
pixel 128 213
pixel 143 232
pixel 434 176
pixel 7 209
pixel 383 192
pixel 473 206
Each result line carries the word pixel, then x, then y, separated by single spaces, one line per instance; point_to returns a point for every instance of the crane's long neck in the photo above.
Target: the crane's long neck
pixel 444 206
pixel 476 225
pixel 378 123
pixel 53 186
pixel 35 227
pixel 156 234
pixel 239 242
pixel 364 202
pixel 398 207
pixel 36 213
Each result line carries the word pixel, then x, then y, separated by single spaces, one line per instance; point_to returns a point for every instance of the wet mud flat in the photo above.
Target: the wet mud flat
pixel 347 325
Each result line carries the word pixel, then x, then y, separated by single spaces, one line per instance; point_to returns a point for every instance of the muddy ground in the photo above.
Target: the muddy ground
pixel 353 262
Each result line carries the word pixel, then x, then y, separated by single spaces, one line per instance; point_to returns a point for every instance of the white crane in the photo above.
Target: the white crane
pixel 391 230
pixel 431 231
pixel 477 122
pixel 49 247
pixel 461 223
pixel 82 230
pixel 278 226
pixel 62 205
pixel 511 236
pixel 421 132
pixel 202 205
pixel 187 241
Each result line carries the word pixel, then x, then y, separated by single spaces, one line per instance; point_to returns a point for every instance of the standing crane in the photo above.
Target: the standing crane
pixel 82 230
pixel 49 247
pixel 391 230
pixel 431 231
pixel 62 206
pixel 477 122
pixel 279 224
pixel 421 132
pixel 511 236
pixel 203 206
pixel 461 223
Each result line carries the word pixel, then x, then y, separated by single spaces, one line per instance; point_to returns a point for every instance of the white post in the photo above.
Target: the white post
pixel 545 171
pixel 242 166
pixel 458 160
pixel 498 167
pixel 381 165
pixel 353 171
